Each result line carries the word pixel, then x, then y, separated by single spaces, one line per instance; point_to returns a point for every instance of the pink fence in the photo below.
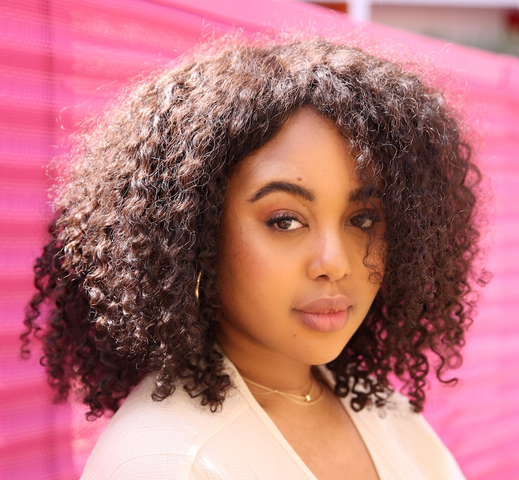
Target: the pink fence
pixel 62 60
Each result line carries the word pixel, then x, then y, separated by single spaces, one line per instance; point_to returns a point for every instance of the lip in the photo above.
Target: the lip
pixel 326 314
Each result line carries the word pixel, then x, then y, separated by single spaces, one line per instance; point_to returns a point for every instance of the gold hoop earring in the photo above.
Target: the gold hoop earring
pixel 197 288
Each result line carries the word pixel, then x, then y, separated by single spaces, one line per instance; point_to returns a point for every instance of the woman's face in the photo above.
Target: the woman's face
pixel 293 275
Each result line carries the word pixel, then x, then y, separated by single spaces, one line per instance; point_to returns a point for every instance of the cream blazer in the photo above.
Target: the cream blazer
pixel 178 439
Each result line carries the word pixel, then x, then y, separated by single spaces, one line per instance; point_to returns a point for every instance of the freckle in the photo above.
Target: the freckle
pixel 294 334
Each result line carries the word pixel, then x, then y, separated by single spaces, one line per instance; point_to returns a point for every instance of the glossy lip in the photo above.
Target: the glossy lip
pixel 327 314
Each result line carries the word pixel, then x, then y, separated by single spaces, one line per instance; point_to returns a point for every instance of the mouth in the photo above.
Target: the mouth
pixel 329 314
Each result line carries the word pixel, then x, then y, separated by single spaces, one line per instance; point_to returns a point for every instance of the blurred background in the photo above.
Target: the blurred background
pixel 489 24
pixel 61 61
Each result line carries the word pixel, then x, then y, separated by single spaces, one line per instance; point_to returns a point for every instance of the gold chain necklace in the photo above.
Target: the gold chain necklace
pixel 299 399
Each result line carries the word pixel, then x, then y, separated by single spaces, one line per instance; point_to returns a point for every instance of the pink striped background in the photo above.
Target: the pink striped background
pixel 61 60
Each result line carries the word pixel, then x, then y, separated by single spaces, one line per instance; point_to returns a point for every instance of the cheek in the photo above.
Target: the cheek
pixel 251 271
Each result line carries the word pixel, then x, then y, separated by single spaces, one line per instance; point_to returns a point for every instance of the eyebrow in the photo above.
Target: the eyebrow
pixel 288 187
pixel 363 193
pixel 359 194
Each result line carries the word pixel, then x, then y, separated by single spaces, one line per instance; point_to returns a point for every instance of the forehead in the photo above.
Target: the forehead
pixel 308 149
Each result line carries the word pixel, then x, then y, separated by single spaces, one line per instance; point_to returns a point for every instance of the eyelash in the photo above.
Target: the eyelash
pixel 271 222
pixel 356 221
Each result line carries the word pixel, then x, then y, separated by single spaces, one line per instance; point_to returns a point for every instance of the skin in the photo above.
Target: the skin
pixel 280 251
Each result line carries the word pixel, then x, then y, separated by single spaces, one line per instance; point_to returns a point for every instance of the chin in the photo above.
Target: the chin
pixel 322 352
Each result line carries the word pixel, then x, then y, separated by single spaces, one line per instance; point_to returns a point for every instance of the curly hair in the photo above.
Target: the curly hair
pixel 141 214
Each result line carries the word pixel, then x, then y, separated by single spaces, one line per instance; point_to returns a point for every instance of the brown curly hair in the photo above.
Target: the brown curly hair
pixel 141 214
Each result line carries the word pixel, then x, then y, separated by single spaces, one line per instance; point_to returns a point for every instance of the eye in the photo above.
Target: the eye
pixel 284 222
pixel 365 221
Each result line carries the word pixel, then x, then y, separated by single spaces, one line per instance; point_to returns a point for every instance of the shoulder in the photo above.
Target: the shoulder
pixel 404 441
pixel 148 439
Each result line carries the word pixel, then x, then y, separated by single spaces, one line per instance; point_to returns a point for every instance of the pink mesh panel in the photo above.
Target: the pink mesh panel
pixel 61 61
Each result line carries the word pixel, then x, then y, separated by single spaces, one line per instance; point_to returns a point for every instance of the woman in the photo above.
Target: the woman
pixel 250 247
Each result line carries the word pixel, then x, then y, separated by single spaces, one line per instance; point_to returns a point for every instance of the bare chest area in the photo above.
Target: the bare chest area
pixel 327 441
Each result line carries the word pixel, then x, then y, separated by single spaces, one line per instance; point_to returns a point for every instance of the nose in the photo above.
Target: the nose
pixel 330 257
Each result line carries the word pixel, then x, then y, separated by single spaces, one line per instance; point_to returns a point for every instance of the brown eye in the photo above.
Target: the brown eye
pixel 285 223
pixel 364 221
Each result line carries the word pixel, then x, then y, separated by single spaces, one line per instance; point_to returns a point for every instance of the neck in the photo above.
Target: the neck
pixel 264 365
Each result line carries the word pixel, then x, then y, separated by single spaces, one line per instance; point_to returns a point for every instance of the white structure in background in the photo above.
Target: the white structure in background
pixel 360 9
